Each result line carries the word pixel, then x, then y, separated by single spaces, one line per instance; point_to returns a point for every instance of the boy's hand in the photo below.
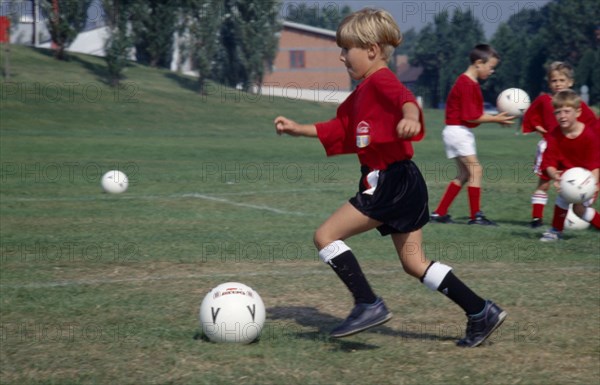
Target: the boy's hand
pixel 541 129
pixel 407 128
pixel 504 119
pixel 556 180
pixel 284 125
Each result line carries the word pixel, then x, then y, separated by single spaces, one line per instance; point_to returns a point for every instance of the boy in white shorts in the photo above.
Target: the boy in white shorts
pixel 464 111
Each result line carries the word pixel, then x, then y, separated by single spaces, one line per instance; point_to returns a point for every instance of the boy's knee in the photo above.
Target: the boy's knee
pixel 320 239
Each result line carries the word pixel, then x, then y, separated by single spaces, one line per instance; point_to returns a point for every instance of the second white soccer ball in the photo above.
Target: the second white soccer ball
pixel 114 182
pixel 232 312
pixel 573 222
pixel 577 185
pixel 513 101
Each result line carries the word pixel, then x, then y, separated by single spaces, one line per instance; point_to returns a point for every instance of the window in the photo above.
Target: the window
pixel 297 59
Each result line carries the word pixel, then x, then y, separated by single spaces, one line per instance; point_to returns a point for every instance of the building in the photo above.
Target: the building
pixel 307 66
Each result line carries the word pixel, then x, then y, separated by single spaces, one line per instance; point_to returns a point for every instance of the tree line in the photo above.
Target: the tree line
pixel 234 42
pixel 561 30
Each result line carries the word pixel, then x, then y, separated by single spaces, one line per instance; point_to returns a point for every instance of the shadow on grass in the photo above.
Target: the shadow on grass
pixel 314 319
pixel 95 66
pixel 184 82
pixel 97 69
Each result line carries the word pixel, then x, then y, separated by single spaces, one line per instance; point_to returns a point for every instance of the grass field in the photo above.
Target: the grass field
pixel 105 289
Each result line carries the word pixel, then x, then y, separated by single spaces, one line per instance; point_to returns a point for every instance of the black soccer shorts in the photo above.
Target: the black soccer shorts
pixel 399 199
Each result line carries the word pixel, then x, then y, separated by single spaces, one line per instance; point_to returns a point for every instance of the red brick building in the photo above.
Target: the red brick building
pixel 308 58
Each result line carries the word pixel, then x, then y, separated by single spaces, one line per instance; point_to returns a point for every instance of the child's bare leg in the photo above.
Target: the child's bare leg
pixel 435 275
pixel 342 224
pixel 329 238
pixel 473 168
pixel 484 316
pixel 470 170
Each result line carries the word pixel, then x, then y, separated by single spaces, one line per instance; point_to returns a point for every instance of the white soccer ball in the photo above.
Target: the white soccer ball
pixel 577 185
pixel 513 101
pixel 114 182
pixel 232 312
pixel 573 222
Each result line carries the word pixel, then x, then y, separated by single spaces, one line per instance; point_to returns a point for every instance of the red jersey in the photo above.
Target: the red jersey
pixel 464 103
pixel 365 123
pixel 564 153
pixel 541 113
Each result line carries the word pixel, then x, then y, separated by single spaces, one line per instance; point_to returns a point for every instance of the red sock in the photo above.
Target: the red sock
pixel 538 203
pixel 474 200
pixel 558 220
pixel 537 210
pixel 451 192
pixel 596 221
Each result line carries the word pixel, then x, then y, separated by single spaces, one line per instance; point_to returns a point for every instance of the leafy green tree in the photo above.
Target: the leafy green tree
pixel 66 18
pixel 200 24
pixel 249 40
pixel 561 30
pixel 570 28
pixel 441 49
pixel 588 73
pixel 522 52
pixel 153 26
pixel 118 46
pixel 327 16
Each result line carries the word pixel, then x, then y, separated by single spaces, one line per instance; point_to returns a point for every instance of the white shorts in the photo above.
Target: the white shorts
pixel 539 156
pixel 459 141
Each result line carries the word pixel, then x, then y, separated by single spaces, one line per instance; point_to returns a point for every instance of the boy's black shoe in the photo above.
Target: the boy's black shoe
pixel 362 317
pixel 480 326
pixel 536 222
pixel 480 219
pixel 435 217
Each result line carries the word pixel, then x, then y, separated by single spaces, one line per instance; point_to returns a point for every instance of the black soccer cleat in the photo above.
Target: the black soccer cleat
pixel 362 317
pixel 481 220
pixel 536 222
pixel 480 326
pixel 437 218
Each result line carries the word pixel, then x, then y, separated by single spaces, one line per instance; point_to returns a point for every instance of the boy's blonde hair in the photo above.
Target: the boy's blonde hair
pixel 566 98
pixel 560 67
pixel 368 27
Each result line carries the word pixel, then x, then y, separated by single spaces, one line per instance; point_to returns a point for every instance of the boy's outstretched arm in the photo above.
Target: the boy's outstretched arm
pixel 502 118
pixel 284 125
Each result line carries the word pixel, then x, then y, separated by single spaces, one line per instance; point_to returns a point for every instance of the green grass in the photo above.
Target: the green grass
pixel 102 289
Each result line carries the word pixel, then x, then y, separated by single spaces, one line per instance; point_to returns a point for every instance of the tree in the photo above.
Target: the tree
pixel 562 30
pixel 118 45
pixel 522 60
pixel 328 17
pixel 66 20
pixel 588 73
pixel 153 25
pixel 248 40
pixel 200 24
pixel 442 55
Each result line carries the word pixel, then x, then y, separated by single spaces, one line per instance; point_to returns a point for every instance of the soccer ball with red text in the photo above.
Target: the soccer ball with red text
pixel 577 185
pixel 114 182
pixel 232 312
pixel 513 101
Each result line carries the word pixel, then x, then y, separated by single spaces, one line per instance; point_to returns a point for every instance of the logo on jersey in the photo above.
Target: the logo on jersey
pixel 363 134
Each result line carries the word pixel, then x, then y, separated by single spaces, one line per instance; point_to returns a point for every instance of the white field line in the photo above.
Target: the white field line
pixel 100 281
pixel 270 273
pixel 240 204
pixel 177 196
